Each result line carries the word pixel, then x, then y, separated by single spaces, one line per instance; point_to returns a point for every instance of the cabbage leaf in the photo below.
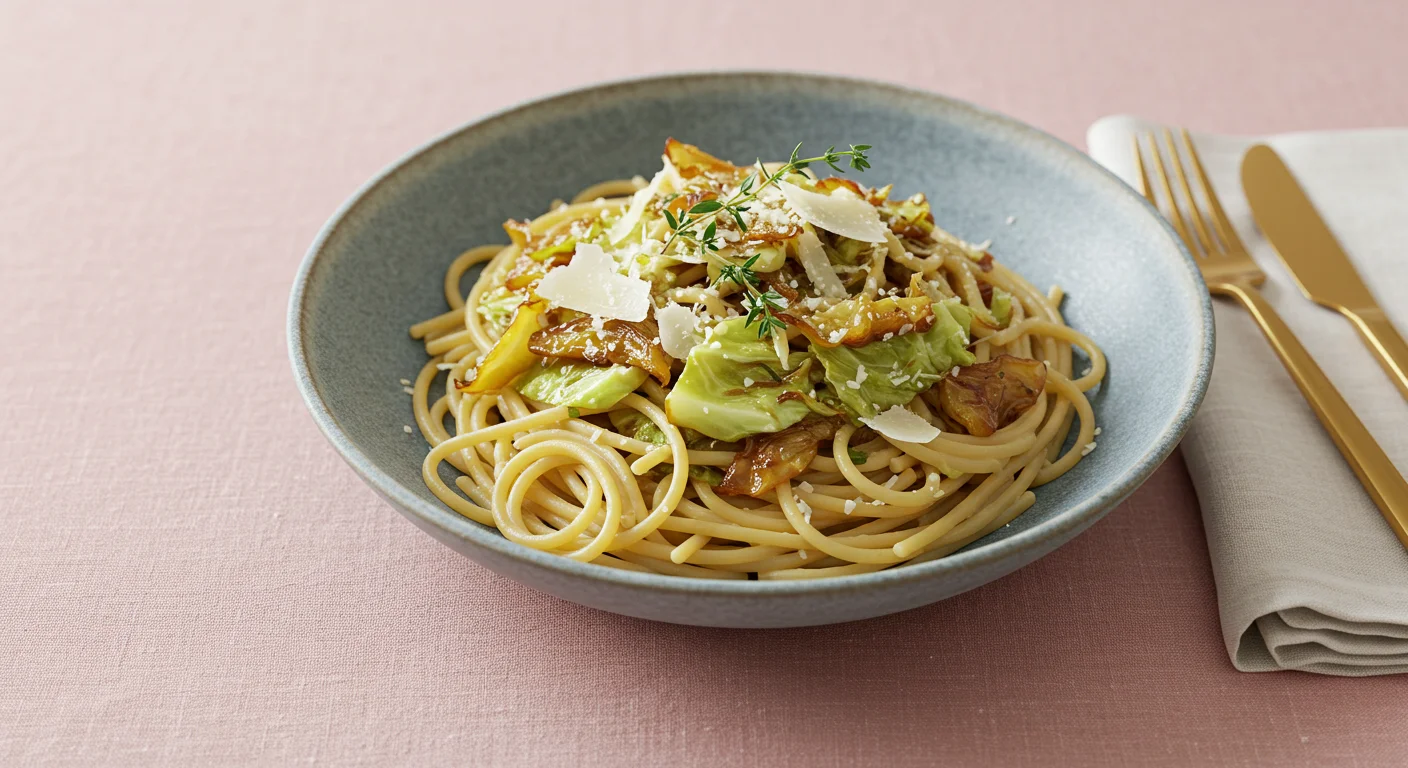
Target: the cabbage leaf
pixel 729 388
pixel 496 308
pixel 898 369
pixel 579 385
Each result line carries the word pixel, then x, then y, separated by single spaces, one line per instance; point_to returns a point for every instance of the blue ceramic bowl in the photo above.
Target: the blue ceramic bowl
pixel 377 267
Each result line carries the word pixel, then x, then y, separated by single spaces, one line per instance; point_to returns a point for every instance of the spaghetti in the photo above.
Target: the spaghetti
pixel 772 296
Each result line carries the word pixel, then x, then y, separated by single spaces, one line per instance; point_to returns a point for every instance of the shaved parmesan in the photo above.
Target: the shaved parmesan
pixel 900 423
pixel 627 223
pixel 841 213
pixel 779 345
pixel 590 284
pixel 818 267
pixel 677 330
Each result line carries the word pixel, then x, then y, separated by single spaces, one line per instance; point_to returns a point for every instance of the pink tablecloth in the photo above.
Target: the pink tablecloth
pixel 190 576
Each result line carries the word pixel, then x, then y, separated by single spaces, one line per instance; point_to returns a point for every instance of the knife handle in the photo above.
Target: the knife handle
pixel 1381 337
pixel 1371 465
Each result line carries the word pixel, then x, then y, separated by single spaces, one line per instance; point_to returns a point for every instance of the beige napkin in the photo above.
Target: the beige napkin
pixel 1309 576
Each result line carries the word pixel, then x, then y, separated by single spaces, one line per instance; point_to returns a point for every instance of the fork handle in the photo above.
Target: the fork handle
pixel 1383 339
pixel 1370 464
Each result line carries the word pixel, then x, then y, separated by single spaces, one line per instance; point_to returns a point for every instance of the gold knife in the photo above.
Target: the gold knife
pixel 1315 259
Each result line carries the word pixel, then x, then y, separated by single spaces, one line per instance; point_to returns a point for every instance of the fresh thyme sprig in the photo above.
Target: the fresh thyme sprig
pixel 742 274
pixel 685 227
pixel 759 303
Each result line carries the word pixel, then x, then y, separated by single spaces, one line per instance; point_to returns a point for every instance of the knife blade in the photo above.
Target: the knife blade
pixel 1315 259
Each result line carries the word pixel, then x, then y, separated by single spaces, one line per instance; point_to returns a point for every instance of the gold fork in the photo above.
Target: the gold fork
pixel 1229 271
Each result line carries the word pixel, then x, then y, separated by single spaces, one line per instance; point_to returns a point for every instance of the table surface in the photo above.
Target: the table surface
pixel 189 575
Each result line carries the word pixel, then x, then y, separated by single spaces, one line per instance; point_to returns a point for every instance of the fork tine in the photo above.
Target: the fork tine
pixel 1195 212
pixel 1144 188
pixel 1174 215
pixel 1219 217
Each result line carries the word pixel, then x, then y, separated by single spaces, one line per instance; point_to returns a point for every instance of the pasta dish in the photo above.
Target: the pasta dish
pixel 749 372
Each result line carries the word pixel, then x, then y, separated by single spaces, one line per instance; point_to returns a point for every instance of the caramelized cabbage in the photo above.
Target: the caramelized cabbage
pixel 510 356
pixel 729 388
pixel 909 218
pixel 766 461
pixel 988 396
pixel 859 321
pixel 618 341
pixel 496 308
pixel 579 385
pixel 898 369
pixel 692 161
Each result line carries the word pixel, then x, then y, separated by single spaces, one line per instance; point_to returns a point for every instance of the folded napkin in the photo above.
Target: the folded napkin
pixel 1309 575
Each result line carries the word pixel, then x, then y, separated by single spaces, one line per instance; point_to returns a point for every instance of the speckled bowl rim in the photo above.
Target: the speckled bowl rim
pixel 1064 523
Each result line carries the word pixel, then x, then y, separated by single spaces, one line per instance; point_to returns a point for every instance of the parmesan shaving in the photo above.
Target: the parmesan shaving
pixel 627 223
pixel 677 330
pixel 818 267
pixel 590 284
pixel 841 213
pixel 900 423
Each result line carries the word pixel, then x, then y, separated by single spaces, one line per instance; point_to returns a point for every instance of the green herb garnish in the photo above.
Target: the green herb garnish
pixel 759 303
pixel 686 228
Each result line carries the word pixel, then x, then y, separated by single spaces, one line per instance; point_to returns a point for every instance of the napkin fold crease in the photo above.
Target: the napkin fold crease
pixel 1309 575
